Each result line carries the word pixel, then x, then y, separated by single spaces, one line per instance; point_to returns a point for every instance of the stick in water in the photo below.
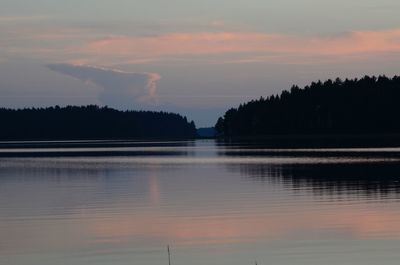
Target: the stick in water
pixel 169 256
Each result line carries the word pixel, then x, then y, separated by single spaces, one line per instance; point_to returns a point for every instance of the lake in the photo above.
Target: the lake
pixel 213 203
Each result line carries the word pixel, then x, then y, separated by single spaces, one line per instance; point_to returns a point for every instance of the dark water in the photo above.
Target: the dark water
pixel 123 203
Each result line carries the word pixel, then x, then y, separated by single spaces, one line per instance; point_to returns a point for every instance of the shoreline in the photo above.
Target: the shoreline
pixel 317 140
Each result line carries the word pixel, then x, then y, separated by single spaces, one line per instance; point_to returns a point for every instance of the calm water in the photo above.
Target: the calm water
pixel 123 203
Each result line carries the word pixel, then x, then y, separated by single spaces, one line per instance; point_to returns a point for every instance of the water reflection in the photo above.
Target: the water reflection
pixel 361 179
pixel 365 172
pixel 95 148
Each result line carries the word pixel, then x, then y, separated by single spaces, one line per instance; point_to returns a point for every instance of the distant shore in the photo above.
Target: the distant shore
pixel 317 140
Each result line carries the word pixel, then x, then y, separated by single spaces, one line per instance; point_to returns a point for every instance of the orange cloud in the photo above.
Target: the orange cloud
pixel 178 45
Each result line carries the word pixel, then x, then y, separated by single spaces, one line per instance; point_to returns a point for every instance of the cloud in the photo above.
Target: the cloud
pixel 217 23
pixel 190 44
pixel 119 89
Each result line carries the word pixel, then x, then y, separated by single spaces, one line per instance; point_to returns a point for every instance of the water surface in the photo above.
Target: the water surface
pixel 124 202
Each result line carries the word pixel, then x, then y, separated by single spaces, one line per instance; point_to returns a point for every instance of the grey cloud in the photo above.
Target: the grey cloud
pixel 119 89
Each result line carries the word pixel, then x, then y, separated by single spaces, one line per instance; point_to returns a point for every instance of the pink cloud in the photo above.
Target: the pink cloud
pixel 177 45
pixel 221 47
pixel 151 87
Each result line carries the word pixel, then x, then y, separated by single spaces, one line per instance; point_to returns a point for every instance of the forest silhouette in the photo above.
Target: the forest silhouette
pixel 91 122
pixel 370 105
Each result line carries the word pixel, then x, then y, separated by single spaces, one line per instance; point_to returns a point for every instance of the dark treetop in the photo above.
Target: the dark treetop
pixel 367 106
pixel 91 122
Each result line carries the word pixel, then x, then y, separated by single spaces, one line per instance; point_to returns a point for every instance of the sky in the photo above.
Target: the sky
pixel 198 58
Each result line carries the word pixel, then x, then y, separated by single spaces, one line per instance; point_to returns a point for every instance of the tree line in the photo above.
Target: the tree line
pixel 370 105
pixel 91 122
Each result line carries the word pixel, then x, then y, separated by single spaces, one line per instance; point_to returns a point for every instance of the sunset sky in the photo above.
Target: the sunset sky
pixel 197 58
